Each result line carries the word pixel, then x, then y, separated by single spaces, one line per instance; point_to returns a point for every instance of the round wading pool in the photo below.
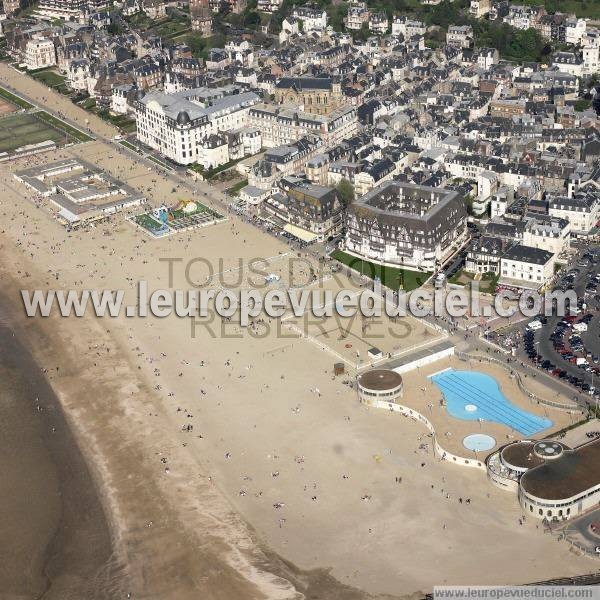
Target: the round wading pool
pixel 479 442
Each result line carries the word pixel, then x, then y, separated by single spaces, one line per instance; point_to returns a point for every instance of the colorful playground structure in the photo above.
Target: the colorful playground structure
pixel 187 214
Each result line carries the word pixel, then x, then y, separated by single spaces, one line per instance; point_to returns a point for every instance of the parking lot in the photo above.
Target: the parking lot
pixel 565 348
pixel 569 347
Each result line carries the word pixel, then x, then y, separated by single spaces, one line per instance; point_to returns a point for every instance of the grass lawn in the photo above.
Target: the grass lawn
pixel 159 162
pixel 15 99
pixel 49 78
pixel 139 21
pixel 88 103
pixel 78 135
pixel 172 29
pixel 391 277
pixel 461 277
pixel 130 146
pixel 123 122
pixel 487 283
pixel 210 173
pixel 201 208
pixel 234 189
pixel 582 8
pixel 179 213
pixel 24 129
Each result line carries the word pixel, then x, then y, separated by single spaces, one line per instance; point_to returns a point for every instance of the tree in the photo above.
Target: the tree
pixel 362 34
pixel 445 14
pixel 345 191
pixel 252 19
pixel 115 28
pixel 197 44
pixel 582 104
pixel 469 204
pixel 336 13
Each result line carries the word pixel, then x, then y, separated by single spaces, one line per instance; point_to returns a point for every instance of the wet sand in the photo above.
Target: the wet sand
pixel 55 537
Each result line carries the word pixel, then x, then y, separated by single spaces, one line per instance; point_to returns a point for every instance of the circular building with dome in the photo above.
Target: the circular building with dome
pixel 552 481
pixel 379 384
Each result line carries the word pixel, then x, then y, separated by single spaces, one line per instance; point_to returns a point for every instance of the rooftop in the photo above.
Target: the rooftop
pixel 528 254
pixel 380 379
pixel 573 473
pixel 407 200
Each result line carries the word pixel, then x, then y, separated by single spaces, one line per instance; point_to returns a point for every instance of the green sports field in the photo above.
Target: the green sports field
pixel 32 128
pixel 23 129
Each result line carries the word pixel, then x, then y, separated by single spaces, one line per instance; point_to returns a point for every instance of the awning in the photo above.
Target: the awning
pixel 67 215
pixel 301 234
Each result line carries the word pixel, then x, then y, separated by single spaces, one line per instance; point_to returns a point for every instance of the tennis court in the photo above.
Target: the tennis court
pixel 6 107
pixel 24 129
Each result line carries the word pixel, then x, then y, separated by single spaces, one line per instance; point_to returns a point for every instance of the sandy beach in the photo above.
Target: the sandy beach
pixel 285 487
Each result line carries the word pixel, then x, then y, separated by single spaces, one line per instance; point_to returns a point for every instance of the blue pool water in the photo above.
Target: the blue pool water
pixel 471 395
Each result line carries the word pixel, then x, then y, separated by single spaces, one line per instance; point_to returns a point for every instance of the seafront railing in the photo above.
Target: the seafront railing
pixel 438 450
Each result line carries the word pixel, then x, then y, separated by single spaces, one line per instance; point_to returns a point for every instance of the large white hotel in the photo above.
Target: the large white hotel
pixel 177 125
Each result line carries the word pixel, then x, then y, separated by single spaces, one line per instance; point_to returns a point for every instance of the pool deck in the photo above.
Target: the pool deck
pixel 421 394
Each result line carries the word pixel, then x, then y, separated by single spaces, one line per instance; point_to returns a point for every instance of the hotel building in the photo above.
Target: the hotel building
pixel 281 126
pixel 408 225
pixel 65 9
pixel 177 124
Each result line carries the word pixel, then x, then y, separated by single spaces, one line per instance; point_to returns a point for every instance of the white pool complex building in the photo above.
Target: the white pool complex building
pixel 553 481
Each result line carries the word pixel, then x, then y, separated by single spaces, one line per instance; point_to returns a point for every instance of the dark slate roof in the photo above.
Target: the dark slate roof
pixel 528 254
pixel 305 83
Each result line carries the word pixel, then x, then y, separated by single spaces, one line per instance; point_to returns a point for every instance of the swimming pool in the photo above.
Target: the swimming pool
pixel 474 396
pixel 479 442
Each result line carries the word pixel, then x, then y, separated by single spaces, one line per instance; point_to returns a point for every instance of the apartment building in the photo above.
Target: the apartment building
pixel 357 16
pixel 40 53
pixel 309 212
pixel 582 211
pixel 547 233
pixel 312 19
pixel 479 8
pixel 281 126
pixel 460 36
pixel 524 266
